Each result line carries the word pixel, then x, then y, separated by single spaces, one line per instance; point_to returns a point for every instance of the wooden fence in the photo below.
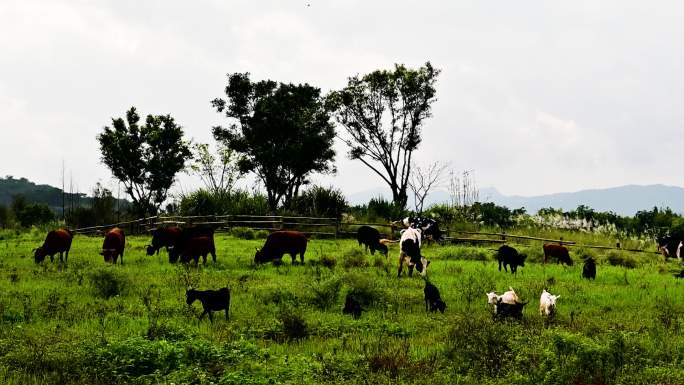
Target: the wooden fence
pixel 323 227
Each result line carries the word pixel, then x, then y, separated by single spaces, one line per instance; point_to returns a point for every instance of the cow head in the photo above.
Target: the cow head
pixel 440 305
pixel 259 256
pixel 190 296
pixel 39 255
pixel 150 250
pixel 382 248
pixel 108 254
pixel 521 261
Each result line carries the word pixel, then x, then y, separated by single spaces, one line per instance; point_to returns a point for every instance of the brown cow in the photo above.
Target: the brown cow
pixel 280 243
pixel 197 247
pixel 557 251
pixel 56 241
pixel 113 245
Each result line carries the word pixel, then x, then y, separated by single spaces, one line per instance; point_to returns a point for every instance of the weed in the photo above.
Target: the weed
pixel 354 258
pixel 107 282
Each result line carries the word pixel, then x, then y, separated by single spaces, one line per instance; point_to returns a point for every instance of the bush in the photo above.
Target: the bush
pixel 204 202
pixel 365 289
pixel 328 261
pixel 481 347
pixel 354 258
pixel 293 324
pixel 279 297
pixel 325 294
pixel 242 233
pixel 617 258
pixel 319 201
pixel 107 282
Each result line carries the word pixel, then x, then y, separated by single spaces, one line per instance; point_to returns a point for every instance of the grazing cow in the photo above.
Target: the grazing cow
pixel 56 241
pixel 370 238
pixel 510 297
pixel 280 243
pixel 504 310
pixel 186 235
pixel 113 245
pixel 507 255
pixel 671 246
pixel 433 298
pixel 680 274
pixel 429 227
pixel 589 269
pixel 197 247
pixel 212 300
pixel 352 306
pixel 560 253
pixel 410 252
pixel 164 237
pixel 547 304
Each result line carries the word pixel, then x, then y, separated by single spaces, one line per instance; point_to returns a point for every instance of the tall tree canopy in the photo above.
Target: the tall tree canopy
pixel 144 158
pixel 283 131
pixel 383 113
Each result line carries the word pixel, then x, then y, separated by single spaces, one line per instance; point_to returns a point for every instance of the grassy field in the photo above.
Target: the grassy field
pixel 93 323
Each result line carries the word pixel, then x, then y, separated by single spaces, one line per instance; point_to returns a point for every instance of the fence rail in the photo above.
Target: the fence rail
pixel 331 227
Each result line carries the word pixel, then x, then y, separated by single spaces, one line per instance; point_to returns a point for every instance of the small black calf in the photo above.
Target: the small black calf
pixel 212 300
pixel 589 268
pixel 433 298
pixel 680 274
pixel 352 306
pixel 504 310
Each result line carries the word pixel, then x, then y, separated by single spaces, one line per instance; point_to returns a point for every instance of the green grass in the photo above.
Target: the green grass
pixel 58 324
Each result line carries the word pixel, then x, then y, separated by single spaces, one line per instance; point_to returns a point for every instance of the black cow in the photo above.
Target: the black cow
pixel 429 227
pixel 370 238
pixel 197 247
pixel 212 300
pixel 507 255
pixel 166 237
pixel 589 269
pixel 432 298
pixel 186 235
pixel 352 306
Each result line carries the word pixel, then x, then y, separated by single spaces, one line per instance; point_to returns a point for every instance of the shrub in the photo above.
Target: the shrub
pixel 617 258
pixel 325 294
pixel 261 234
pixel 107 282
pixel 328 261
pixel 242 233
pixel 480 347
pixel 365 289
pixel 354 258
pixel 279 297
pixel 293 324
pixel 319 201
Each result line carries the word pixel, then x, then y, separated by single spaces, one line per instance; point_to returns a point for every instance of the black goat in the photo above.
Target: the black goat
pixel 589 268
pixel 433 298
pixel 352 306
pixel 212 300
pixel 504 310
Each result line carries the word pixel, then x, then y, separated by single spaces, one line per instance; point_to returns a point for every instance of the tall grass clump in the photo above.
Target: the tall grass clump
pixel 354 258
pixel 108 282
pixel 324 294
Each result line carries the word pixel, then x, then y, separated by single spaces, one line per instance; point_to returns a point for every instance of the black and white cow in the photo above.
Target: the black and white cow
pixel 428 227
pixel 671 246
pixel 410 252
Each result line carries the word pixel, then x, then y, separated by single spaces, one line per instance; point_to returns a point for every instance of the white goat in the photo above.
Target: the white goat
pixel 509 297
pixel 547 303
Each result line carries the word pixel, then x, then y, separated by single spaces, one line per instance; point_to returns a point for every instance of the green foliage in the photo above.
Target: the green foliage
pixel 107 282
pixel 365 289
pixel 618 258
pixel 383 114
pixel 242 233
pixel 239 202
pixel 283 132
pixel 319 201
pixel 219 172
pixel 354 258
pixel 292 322
pixel 29 214
pixel 328 261
pixel 144 158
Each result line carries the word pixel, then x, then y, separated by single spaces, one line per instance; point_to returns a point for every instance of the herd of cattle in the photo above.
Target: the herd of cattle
pixel 191 243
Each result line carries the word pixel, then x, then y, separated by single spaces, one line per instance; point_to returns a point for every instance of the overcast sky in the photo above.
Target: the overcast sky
pixel 535 96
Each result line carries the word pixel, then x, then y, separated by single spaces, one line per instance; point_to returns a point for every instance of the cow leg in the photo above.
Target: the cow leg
pixel 122 253
pixel 426 304
pixel 204 259
pixel 401 263
pixel 61 256
pixel 211 317
pixel 213 255
pixel 500 265
pixel 410 270
pixel 301 257
pixel 52 258
pixel 66 256
pixel 505 267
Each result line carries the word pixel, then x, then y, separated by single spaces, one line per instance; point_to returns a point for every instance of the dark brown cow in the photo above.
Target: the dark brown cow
pixel 280 243
pixel 163 237
pixel 560 253
pixel 113 245
pixel 56 241
pixel 186 235
pixel 197 247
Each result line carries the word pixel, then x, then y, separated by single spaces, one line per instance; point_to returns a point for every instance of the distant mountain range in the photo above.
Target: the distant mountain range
pixel 41 193
pixel 623 200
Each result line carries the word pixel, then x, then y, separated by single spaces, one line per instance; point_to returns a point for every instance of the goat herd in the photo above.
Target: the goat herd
pixel 191 243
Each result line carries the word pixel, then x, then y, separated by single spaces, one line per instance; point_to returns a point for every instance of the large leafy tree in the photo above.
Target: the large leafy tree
pixel 282 131
pixel 145 158
pixel 383 113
